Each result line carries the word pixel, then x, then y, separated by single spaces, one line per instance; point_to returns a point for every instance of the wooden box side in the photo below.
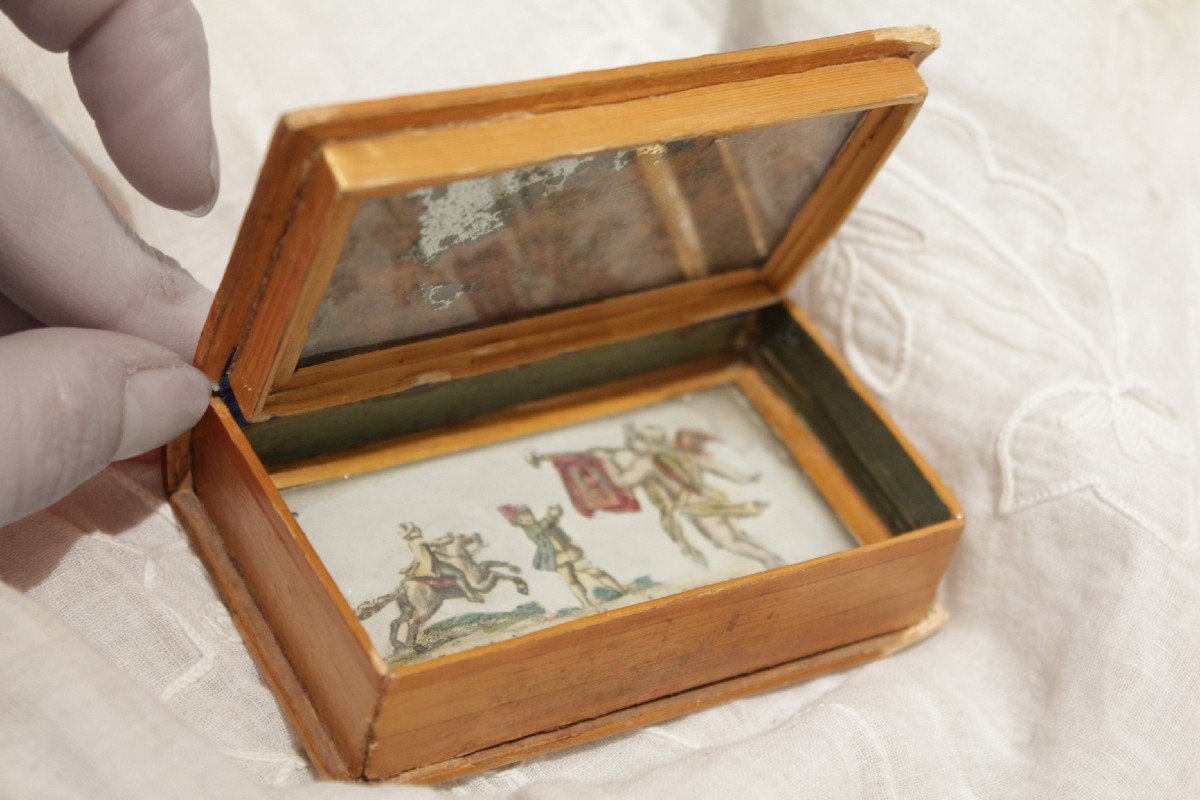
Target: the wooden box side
pixel 681 703
pixel 258 636
pixel 689 646
pixel 451 707
pixel 315 630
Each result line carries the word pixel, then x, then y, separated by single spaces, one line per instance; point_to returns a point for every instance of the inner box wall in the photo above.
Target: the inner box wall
pixel 798 367
pixel 288 439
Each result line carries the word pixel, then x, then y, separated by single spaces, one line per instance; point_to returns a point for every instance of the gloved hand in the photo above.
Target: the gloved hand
pixel 98 329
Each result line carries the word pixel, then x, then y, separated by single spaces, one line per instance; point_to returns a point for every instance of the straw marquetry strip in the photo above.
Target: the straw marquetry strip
pixel 601 87
pixel 325 645
pixel 675 705
pixel 310 247
pixel 282 178
pixel 395 369
pixel 405 160
pixel 466 702
pixel 528 418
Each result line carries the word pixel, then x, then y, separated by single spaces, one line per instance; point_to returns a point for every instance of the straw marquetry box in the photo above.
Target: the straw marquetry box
pixel 519 442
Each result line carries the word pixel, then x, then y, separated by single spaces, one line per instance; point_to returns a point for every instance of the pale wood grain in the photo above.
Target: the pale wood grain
pixel 405 160
pixel 396 369
pixel 680 703
pixel 465 702
pixel 323 641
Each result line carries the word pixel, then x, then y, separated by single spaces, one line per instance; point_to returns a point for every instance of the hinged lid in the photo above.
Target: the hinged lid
pixel 406 241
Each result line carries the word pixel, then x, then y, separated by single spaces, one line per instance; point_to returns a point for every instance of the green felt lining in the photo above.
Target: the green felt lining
pixel 283 440
pixel 791 361
pixel 863 446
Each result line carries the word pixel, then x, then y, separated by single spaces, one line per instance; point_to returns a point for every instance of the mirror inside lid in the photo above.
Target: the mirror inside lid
pixel 500 247
pixel 394 243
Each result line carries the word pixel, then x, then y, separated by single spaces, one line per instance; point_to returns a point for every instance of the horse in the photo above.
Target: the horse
pixel 419 598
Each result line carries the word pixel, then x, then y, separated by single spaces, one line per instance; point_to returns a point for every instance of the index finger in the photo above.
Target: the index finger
pixel 141 68
pixel 67 259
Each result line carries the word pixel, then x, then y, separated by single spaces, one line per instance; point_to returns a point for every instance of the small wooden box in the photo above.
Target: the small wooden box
pixel 518 442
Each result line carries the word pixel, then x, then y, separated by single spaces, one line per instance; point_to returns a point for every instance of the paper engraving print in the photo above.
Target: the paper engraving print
pixel 463 550
pixel 500 247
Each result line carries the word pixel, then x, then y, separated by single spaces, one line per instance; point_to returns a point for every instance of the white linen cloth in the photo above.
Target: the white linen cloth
pixel 1018 288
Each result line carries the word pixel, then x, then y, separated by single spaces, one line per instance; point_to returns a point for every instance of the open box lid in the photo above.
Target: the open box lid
pixel 396 243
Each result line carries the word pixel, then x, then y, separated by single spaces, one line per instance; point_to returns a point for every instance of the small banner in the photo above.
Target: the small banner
pixel 589 485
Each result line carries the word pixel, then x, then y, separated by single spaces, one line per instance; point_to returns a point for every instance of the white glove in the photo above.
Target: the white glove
pixel 97 329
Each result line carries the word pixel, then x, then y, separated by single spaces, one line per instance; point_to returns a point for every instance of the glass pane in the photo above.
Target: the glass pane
pixel 490 543
pixel 500 247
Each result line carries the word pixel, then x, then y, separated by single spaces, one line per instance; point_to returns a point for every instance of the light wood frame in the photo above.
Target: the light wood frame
pixel 347 156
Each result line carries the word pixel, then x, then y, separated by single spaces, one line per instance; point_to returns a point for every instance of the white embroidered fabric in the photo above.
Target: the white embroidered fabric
pixel 1018 287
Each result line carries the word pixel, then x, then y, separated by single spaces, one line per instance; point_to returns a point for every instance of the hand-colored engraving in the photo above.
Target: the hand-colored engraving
pixel 673 475
pixel 558 552
pixel 441 569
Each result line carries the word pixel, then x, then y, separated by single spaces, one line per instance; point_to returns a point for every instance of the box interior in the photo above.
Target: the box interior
pixel 345 473
pixel 792 361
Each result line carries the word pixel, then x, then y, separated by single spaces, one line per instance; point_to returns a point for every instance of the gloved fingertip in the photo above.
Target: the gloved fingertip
pixel 214 171
pixel 160 404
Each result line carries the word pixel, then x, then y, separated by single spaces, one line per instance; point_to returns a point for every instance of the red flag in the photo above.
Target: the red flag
pixel 589 485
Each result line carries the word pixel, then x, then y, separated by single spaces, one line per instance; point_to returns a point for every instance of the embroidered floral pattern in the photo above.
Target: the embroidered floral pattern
pixel 1089 421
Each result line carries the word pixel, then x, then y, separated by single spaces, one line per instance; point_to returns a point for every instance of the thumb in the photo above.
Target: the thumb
pixel 73 400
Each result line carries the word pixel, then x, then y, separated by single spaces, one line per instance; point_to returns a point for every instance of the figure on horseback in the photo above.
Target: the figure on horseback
pixel 441 569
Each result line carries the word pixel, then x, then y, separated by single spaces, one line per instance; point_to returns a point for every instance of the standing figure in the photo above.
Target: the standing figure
pixel 673 476
pixel 557 552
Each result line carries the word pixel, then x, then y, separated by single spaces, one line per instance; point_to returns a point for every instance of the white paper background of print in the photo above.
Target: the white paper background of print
pixel 352 522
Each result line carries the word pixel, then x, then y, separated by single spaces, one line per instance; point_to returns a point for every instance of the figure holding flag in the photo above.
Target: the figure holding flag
pixel 673 476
